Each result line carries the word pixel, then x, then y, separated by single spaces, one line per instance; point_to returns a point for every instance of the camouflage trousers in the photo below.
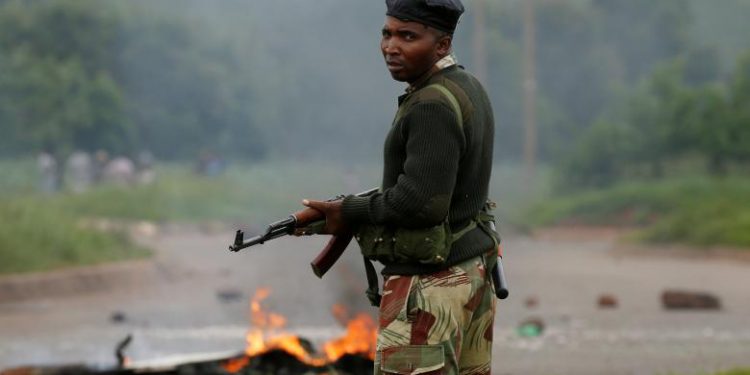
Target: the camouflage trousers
pixel 439 323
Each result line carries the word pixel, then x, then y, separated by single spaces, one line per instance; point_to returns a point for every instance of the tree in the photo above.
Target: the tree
pixel 53 93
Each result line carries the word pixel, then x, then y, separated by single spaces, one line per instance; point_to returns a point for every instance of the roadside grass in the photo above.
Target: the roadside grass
pixel 699 211
pixel 18 176
pixel 36 237
pixel 734 372
pixel 737 371
pixel 42 231
pixel 253 194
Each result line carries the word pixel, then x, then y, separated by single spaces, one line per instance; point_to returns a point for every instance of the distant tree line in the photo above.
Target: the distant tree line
pixel 672 118
pixel 85 74
pixel 626 88
pixel 655 80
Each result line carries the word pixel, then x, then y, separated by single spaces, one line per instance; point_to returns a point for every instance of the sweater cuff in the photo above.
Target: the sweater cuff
pixel 356 209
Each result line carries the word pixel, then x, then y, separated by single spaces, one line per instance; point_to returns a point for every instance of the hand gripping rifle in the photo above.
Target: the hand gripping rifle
pixel 304 222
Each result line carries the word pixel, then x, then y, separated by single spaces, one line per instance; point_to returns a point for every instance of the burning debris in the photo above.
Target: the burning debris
pixel 269 350
pixel 266 335
pixel 273 362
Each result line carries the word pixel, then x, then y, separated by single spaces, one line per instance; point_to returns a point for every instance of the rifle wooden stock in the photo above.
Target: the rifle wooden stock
pixel 330 254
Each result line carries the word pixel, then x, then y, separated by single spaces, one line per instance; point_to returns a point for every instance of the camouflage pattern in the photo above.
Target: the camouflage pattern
pixel 439 323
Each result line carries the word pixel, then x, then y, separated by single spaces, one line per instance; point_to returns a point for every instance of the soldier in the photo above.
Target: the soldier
pixel 437 308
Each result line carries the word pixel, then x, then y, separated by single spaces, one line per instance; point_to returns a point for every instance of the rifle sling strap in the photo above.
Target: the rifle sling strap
pixel 373 291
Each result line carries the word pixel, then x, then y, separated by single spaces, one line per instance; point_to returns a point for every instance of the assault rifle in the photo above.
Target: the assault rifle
pixel 304 222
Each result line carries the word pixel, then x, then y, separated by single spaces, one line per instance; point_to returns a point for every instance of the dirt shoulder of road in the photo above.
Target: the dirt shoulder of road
pixel 131 274
pixel 77 280
pixel 625 246
pixel 103 277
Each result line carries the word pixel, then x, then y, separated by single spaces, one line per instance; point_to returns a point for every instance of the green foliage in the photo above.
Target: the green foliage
pixel 94 75
pixel 666 119
pixel 41 232
pixel 737 371
pixel 586 52
pixel 54 93
pixel 598 157
pixel 18 177
pixel 37 236
pixel 695 211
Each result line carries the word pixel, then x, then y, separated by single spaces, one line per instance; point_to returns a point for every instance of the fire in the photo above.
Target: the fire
pixel 360 337
pixel 267 334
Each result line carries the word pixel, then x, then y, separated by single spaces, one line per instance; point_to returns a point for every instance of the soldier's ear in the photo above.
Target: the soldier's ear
pixel 444 45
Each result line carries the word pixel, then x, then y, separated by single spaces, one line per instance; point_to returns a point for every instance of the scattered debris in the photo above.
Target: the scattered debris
pixel 531 302
pixel 607 301
pixel 271 362
pixel 122 360
pixel 687 300
pixel 117 317
pixel 531 327
pixel 229 295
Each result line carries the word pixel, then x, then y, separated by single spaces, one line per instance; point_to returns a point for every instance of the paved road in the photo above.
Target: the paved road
pixel 174 307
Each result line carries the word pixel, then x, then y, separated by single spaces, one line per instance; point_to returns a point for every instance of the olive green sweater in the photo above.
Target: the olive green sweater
pixel 434 167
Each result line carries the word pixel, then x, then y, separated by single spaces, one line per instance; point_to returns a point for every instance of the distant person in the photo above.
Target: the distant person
pixel 428 225
pixel 209 164
pixel 146 174
pixel 120 171
pixel 80 171
pixel 49 176
pixel 101 158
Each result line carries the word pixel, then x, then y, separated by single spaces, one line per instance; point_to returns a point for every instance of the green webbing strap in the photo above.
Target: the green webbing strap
pixel 472 224
pixel 448 95
pixel 452 99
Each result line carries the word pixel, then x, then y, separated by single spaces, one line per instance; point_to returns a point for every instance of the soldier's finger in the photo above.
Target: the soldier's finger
pixel 318 205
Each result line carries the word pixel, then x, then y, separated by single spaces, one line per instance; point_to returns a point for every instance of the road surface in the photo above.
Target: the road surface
pixel 192 298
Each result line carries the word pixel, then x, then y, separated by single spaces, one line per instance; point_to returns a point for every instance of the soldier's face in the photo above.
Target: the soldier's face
pixel 410 49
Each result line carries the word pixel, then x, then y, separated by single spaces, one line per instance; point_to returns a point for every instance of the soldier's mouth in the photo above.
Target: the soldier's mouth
pixel 393 65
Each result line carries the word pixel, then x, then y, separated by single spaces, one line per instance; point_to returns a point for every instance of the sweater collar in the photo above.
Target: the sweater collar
pixel 444 63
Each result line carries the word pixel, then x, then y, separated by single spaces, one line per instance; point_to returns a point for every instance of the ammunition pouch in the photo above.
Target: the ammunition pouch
pixel 404 245
pixel 428 246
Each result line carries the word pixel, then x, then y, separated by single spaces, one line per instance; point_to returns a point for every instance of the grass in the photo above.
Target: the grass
pixel 36 237
pixel 738 371
pixel 699 211
pixel 255 194
pixel 734 372
pixel 41 231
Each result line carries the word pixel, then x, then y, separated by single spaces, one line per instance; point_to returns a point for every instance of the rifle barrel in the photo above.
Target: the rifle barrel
pixel 278 229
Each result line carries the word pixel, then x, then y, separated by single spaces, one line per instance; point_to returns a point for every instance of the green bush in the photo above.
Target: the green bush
pixel 697 211
pixel 37 236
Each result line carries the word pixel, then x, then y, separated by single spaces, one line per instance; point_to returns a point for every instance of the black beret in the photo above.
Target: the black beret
pixel 440 14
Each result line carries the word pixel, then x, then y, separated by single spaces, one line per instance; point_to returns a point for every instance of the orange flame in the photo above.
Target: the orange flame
pixel 360 337
pixel 266 335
